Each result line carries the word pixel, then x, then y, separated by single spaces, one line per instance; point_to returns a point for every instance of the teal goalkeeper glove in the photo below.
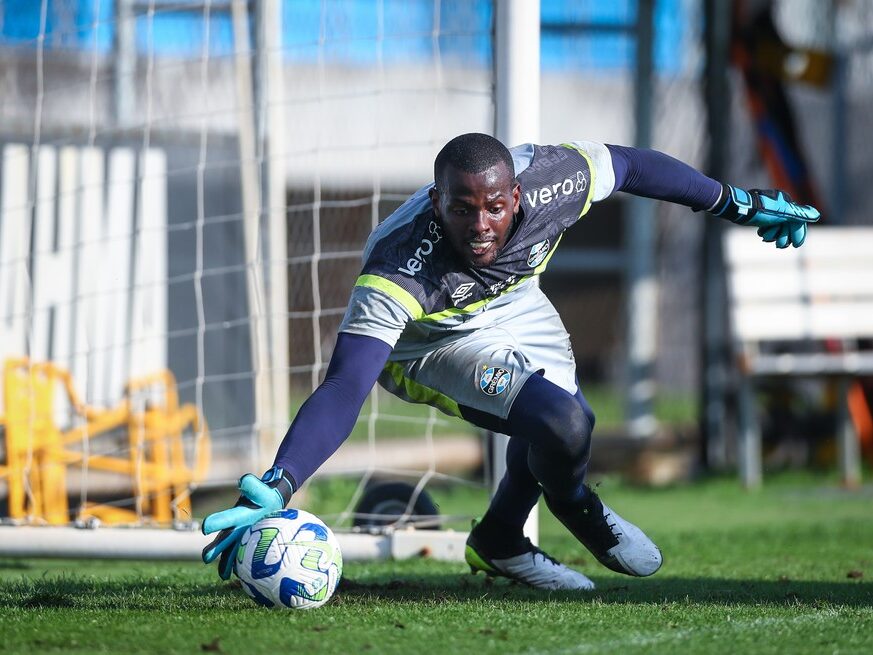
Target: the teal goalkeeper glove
pixel 257 499
pixel 776 216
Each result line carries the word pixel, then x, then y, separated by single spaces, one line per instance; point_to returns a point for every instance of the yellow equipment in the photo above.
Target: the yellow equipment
pixel 38 453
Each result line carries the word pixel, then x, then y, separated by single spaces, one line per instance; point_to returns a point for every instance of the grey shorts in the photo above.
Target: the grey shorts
pixel 486 368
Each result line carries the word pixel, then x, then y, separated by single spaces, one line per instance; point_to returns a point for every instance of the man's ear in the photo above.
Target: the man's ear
pixel 434 195
pixel 516 197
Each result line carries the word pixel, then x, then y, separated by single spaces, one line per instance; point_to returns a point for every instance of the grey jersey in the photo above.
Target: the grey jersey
pixel 415 294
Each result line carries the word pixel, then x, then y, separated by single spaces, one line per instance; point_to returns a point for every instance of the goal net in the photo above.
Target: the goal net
pixel 186 188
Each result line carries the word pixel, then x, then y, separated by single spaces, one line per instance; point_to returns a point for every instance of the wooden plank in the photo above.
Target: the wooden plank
pixel 812 364
pixel 797 320
pixel 823 244
pixel 749 284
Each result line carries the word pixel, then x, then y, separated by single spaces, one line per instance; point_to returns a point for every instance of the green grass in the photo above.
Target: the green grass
pixel 769 572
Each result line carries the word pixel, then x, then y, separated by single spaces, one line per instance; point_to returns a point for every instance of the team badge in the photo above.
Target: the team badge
pixel 463 292
pixel 538 253
pixel 494 380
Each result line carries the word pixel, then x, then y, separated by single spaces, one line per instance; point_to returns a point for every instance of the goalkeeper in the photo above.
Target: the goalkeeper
pixel 446 312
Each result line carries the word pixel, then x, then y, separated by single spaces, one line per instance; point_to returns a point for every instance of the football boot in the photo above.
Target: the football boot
pixel 532 567
pixel 616 543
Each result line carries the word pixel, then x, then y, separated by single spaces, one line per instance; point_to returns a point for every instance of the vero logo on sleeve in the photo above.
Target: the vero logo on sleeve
pixel 557 191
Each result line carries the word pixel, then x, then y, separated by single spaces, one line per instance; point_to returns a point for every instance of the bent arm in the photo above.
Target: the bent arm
pixel 327 417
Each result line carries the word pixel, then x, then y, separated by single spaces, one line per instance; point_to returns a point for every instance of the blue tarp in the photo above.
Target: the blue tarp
pixel 356 32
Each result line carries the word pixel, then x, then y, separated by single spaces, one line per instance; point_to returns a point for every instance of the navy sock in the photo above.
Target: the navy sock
pixel 498 539
pixel 518 491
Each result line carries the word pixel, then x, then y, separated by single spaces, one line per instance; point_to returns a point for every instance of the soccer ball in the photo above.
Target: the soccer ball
pixel 289 559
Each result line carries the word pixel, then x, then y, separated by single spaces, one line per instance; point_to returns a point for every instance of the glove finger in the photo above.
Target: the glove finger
pixel 224 541
pixel 770 233
pixel 225 564
pixel 259 493
pixel 798 233
pixel 783 238
pixel 239 516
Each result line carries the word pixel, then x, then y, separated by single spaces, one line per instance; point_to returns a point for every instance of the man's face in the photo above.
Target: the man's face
pixel 476 211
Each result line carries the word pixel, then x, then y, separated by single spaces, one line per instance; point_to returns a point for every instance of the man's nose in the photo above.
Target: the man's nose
pixel 480 221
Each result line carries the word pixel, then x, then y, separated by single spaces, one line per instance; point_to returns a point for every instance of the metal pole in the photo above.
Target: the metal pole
pixel 642 296
pixel 270 130
pixel 125 62
pixel 712 287
pixel 517 120
pixel 517 69
pixel 840 138
pixel 251 206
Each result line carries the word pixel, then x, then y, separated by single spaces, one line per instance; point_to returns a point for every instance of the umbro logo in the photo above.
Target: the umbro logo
pixel 463 292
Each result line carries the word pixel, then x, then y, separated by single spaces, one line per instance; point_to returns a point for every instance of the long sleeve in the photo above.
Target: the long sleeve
pixel 653 174
pixel 329 414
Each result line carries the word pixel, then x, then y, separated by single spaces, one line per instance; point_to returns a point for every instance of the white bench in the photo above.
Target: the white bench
pixel 800 298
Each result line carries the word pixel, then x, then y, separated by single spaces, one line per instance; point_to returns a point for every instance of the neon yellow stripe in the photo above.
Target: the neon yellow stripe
pixel 472 307
pixel 593 173
pixel 476 561
pixel 395 291
pixel 418 393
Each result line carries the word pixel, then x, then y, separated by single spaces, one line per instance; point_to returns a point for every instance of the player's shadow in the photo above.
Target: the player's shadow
pixel 714 591
pixel 150 595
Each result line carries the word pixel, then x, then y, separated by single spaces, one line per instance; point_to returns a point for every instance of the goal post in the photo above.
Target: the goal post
pixel 189 194
pixel 517 120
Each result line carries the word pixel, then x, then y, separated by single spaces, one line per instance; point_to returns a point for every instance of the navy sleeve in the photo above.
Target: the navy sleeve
pixel 653 174
pixel 329 414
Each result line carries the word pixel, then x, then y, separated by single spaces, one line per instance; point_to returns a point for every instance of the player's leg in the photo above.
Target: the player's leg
pixel 518 378
pixel 498 547
pixel 558 459
pixel 518 491
pixel 497 544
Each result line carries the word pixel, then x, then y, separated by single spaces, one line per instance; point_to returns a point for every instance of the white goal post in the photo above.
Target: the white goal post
pixel 195 202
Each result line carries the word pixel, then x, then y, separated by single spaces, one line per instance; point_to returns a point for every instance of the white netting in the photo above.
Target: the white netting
pixel 166 165
pixel 139 148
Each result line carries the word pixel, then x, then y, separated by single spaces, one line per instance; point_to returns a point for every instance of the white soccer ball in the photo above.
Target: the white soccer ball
pixel 289 559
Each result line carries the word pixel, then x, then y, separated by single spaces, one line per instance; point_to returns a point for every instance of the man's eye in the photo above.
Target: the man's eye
pixel 496 210
pixel 459 211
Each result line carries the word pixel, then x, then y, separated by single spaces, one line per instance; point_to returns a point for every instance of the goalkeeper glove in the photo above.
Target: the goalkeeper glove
pixel 776 216
pixel 257 499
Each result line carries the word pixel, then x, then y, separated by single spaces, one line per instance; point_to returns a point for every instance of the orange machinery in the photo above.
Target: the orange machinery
pixel 39 453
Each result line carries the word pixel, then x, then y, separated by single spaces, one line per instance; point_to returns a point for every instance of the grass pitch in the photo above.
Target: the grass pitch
pixel 786 570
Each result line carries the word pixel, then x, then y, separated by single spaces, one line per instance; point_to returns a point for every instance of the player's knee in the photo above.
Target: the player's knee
pixel 567 428
pixel 586 408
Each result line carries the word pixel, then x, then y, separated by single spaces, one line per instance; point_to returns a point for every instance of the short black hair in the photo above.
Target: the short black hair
pixel 472 153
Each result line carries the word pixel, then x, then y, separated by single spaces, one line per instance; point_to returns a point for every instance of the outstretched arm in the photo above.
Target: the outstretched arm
pixel 328 416
pixel 321 425
pixel 653 174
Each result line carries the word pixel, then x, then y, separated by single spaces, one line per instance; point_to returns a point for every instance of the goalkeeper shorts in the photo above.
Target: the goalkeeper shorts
pixel 486 368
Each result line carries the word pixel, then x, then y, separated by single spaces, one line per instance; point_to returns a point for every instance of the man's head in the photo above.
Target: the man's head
pixel 476 196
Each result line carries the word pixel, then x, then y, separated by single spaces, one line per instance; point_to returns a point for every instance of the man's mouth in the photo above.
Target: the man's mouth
pixel 480 247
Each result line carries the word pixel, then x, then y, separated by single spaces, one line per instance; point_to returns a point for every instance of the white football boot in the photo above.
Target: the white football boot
pixel 616 543
pixel 533 567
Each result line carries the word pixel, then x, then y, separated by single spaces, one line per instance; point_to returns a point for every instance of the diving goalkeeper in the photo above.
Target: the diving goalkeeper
pixel 446 312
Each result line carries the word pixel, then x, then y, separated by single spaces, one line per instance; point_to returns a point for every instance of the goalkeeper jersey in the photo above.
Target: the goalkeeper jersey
pixel 415 294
